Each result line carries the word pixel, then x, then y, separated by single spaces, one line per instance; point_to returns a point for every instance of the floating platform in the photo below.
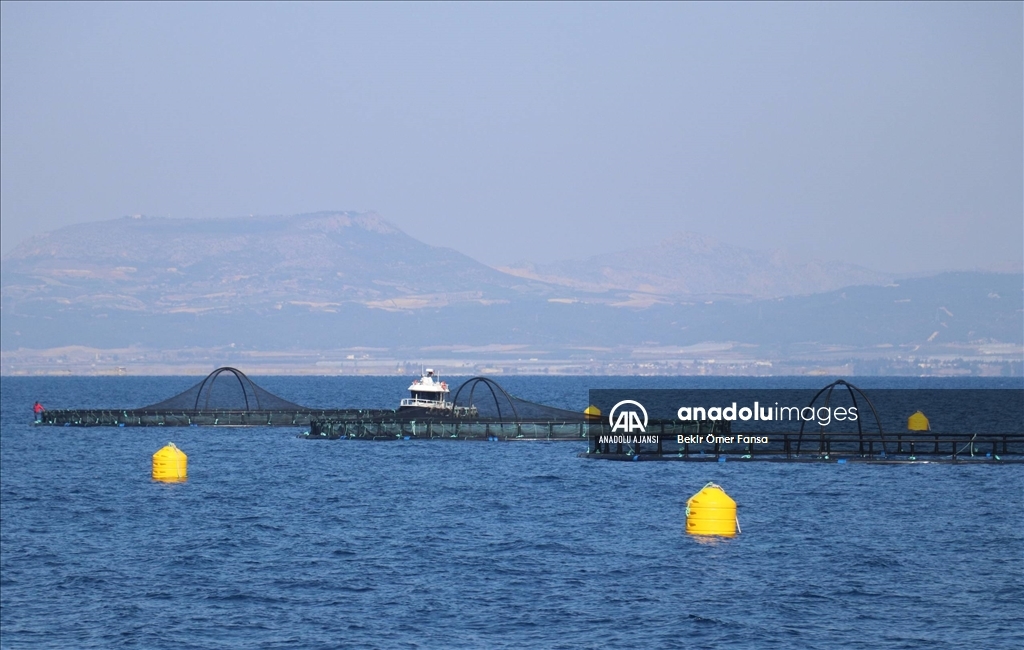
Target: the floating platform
pixel 147 417
pixel 445 429
pixel 872 447
pixel 573 427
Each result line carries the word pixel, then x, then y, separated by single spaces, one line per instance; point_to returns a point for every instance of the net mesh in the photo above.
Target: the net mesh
pixel 225 389
pixel 486 399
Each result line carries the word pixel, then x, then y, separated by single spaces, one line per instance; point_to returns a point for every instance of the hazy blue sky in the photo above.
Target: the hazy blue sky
pixel 890 135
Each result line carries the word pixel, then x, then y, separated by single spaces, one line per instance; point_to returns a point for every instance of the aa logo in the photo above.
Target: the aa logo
pixel 627 420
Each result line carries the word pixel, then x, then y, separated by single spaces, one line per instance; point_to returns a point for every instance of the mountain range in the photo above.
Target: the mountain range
pixel 344 279
pixel 328 259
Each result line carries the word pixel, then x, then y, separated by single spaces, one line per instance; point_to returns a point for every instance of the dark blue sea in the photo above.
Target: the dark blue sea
pixel 278 542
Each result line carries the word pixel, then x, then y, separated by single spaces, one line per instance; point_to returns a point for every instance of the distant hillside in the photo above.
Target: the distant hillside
pixel 320 261
pixel 687 264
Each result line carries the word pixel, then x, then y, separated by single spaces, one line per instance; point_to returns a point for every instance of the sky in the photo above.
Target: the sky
pixel 884 134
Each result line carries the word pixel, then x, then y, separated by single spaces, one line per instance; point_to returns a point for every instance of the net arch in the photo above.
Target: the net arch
pixel 853 392
pixel 225 389
pixel 487 399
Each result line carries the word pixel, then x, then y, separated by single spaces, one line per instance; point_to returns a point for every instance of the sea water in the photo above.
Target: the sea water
pixel 278 542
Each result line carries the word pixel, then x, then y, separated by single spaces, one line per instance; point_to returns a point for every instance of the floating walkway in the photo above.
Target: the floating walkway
pixel 149 417
pixel 445 429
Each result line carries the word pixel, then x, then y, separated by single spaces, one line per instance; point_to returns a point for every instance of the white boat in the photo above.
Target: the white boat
pixel 428 392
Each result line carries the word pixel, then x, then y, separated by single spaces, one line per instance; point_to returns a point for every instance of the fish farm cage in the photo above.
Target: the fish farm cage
pixel 717 442
pixel 480 410
pixel 225 397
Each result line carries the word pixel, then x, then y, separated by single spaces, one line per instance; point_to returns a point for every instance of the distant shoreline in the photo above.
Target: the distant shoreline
pixel 723 361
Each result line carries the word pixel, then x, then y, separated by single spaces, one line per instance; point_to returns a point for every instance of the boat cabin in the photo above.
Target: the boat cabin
pixel 428 392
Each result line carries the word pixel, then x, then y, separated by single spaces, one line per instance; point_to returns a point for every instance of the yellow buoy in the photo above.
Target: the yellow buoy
pixel 592 412
pixel 711 512
pixel 170 464
pixel 918 422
